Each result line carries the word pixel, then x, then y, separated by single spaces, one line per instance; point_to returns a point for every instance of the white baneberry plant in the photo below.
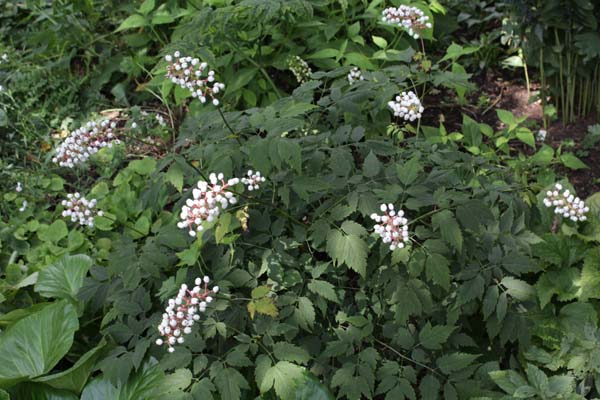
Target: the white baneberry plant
pixel 299 68
pixel 208 199
pixel 391 226
pixel 80 210
pixel 566 204
pixel 194 75
pixel 86 141
pixel 252 180
pixel 354 75
pixel 412 19
pixel 407 106
pixel 183 311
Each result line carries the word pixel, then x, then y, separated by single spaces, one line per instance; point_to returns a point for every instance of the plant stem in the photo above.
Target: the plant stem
pixel 235 135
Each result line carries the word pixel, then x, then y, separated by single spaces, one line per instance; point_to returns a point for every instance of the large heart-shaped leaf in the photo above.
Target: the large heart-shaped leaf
pixel 35 344
pixel 64 278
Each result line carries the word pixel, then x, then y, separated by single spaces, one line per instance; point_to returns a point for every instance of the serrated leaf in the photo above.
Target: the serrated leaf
pixel 283 377
pixel 305 313
pixel 323 289
pixel 371 166
pixel 455 362
pixel 348 249
pixel 451 233
pixel 229 383
pixel 489 301
pixel 290 352
pixel 432 337
pixel 429 388
pixel 174 176
pixel 264 305
pixel 518 289
pixel 590 276
pixel 437 270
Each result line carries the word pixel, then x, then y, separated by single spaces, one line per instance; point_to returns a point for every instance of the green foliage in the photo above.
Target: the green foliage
pixel 483 300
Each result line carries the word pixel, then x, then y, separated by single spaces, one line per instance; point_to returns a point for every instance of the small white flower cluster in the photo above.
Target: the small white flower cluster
pixel 182 312
pixel 407 106
pixel 299 68
pixel 160 119
pixel 355 75
pixel 410 18
pixel 81 210
pixel 253 179
pixel 24 206
pixel 4 58
pixel 86 141
pixel 566 204
pixel 391 226
pixel 208 200
pixel 19 187
pixel 190 73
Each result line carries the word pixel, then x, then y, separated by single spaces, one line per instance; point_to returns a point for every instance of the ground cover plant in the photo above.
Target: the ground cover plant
pixel 267 199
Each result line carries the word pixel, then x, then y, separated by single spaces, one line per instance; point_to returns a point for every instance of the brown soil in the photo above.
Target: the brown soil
pixel 507 92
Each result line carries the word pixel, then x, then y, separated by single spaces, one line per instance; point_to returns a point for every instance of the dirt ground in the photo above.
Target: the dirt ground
pixel 507 92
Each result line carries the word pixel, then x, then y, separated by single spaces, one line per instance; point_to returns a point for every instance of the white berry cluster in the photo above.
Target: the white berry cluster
pixel 355 75
pixel 252 180
pixel 19 187
pixel 160 119
pixel 182 312
pixel 81 210
pixel 407 106
pixel 410 18
pixel 208 200
pixel 566 204
pixel 391 226
pixel 23 206
pixel 299 68
pixel 86 141
pixel 189 73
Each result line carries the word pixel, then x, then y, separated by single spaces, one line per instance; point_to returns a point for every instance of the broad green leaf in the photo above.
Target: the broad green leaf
pixel 54 232
pixel 144 166
pixel 75 378
pixel 148 384
pixel 133 21
pixel 35 344
pixel 38 391
pixel 455 51
pixel 526 136
pixel 570 161
pixel 146 7
pixel 64 278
